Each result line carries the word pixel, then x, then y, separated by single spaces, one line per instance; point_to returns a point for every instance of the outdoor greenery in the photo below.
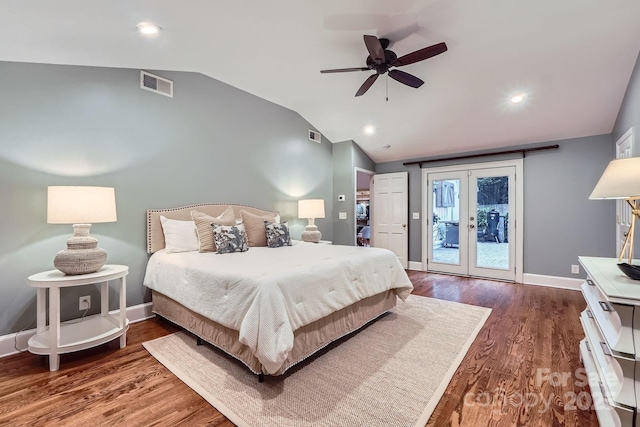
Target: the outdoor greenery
pixel 482 218
pixel 493 190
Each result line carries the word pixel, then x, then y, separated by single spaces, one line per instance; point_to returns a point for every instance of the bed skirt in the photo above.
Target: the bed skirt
pixel 307 339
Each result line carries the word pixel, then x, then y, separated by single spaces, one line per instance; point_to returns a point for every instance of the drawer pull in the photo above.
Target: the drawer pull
pixel 604 395
pixel 590 282
pixel 587 344
pixel 605 305
pixel 589 314
pixel 605 348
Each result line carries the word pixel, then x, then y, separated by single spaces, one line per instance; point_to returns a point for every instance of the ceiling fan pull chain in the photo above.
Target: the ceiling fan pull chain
pixel 387 84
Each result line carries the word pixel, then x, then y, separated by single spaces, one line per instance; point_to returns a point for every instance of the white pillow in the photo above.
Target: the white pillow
pixel 179 236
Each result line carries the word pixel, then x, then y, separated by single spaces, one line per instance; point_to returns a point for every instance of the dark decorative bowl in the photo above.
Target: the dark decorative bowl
pixel 632 271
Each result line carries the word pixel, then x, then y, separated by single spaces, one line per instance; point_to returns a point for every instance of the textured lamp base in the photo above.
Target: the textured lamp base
pixel 311 234
pixel 82 255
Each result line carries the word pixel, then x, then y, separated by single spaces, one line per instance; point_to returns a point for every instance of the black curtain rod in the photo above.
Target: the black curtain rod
pixel 497 153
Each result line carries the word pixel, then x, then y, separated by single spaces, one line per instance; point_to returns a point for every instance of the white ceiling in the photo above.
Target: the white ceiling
pixel 572 57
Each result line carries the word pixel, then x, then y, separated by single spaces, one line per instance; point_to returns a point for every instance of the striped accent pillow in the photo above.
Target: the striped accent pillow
pixel 205 231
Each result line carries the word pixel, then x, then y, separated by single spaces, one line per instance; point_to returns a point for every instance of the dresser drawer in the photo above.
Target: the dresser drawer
pixel 617 374
pixel 608 415
pixel 615 321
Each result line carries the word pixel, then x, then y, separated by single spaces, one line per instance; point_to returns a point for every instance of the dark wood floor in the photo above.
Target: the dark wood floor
pixel 511 376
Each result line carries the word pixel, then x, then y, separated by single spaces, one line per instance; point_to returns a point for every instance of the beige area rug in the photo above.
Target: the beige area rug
pixel 391 373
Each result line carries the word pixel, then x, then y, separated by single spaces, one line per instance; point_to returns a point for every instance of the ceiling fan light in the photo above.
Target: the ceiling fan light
pixel 516 99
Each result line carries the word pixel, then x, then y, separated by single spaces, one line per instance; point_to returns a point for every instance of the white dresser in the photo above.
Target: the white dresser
pixel 611 349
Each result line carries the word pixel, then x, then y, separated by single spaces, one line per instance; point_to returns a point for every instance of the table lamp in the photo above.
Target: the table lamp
pixel 311 209
pixel 621 180
pixel 80 206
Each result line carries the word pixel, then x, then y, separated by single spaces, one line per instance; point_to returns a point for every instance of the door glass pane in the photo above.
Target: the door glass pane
pixel 492 247
pixel 446 220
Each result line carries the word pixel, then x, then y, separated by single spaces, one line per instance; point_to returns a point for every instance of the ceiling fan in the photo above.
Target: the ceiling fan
pixel 381 60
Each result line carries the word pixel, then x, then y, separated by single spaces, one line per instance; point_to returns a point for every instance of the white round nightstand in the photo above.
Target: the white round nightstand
pixel 57 338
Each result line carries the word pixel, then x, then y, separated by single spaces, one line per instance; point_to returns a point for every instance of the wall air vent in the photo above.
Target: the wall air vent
pixel 315 136
pixel 156 84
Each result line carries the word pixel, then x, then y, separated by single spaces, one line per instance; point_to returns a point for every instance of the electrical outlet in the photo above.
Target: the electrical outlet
pixel 575 269
pixel 84 303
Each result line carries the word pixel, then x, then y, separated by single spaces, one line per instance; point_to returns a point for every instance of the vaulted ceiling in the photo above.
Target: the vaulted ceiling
pixel 571 58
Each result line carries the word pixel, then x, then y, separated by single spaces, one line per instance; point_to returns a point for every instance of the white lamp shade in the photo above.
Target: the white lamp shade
pixel 81 205
pixel 311 208
pixel 620 180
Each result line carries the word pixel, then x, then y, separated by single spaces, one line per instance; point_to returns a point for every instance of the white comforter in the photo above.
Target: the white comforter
pixel 267 294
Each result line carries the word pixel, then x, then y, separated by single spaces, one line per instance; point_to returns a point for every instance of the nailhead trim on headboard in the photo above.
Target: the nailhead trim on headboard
pixel 150 224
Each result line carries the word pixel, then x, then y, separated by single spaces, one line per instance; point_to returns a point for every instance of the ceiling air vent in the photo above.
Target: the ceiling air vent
pixel 315 136
pixel 156 84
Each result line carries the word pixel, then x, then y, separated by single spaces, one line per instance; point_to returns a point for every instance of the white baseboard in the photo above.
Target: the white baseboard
pixel 135 313
pixel 531 279
pixel 415 265
pixel 138 313
pixel 552 281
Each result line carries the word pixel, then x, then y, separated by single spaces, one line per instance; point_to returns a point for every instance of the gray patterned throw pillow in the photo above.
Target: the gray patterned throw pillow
pixel 230 238
pixel 277 234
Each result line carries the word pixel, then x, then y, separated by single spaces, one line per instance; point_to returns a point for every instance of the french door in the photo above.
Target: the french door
pixel 471 221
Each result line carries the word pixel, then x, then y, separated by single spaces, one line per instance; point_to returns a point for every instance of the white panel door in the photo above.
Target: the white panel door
pixel 624 150
pixel 390 214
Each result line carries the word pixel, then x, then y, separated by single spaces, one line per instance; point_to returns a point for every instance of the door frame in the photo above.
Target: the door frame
pixel 623 212
pixel 355 199
pixel 519 205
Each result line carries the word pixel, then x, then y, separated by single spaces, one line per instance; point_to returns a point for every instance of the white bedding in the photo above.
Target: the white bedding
pixel 266 294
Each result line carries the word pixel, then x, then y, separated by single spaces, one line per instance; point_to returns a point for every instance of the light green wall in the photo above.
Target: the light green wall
pixel 629 117
pixel 67 125
pixel 347 156
pixel 560 223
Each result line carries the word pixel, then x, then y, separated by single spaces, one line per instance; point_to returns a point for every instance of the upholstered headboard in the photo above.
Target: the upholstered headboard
pixel 155 236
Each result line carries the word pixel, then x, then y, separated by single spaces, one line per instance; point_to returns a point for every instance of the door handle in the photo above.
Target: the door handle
pixel 404 225
pixel 472 226
pixel 471 219
pixel 626 233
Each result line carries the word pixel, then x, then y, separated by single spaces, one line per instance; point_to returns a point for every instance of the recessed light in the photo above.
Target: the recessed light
pixel 369 130
pixel 516 99
pixel 148 29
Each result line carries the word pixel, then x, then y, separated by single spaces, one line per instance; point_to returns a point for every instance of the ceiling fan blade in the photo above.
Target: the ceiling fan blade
pixel 420 55
pixel 367 84
pixel 405 78
pixel 375 49
pixel 344 70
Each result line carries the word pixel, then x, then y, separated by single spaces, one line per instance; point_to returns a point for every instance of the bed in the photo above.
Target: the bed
pixel 270 308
